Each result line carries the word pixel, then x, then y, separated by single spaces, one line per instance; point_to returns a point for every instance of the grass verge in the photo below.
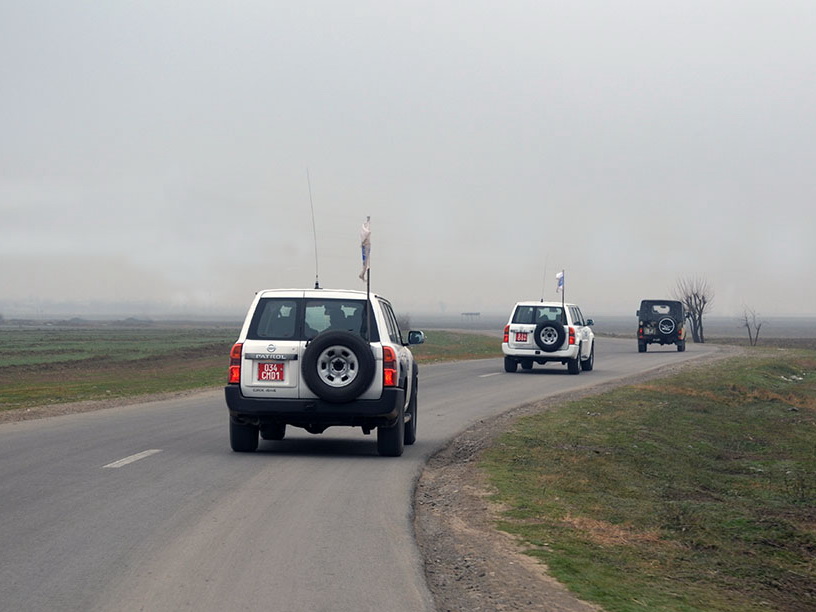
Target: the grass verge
pixel 441 345
pixel 691 493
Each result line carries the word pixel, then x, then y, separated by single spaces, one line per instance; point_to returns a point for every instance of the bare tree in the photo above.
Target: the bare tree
pixel 697 297
pixel 752 322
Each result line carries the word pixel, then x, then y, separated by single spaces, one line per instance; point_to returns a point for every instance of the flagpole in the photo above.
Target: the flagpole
pixel 314 228
pixel 563 289
pixel 561 286
pixel 544 278
pixel 366 242
pixel 368 304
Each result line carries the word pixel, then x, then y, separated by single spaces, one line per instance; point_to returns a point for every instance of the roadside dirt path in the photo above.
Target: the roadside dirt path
pixel 469 565
pixel 52 410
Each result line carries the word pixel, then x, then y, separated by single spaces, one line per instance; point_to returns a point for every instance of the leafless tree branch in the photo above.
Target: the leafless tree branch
pixel 697 297
pixel 752 323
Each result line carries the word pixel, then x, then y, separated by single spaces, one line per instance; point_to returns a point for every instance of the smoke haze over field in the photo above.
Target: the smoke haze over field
pixel 155 154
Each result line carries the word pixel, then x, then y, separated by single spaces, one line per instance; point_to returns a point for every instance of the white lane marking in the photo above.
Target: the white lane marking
pixel 132 458
pixel 491 374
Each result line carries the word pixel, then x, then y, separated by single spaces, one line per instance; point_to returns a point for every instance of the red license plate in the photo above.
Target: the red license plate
pixel 271 371
pixel 521 336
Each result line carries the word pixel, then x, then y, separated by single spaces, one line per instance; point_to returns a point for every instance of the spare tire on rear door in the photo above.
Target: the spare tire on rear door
pixel 338 366
pixel 666 326
pixel 549 336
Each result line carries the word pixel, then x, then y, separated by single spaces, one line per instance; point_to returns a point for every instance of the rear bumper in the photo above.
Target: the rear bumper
pixel 540 356
pixel 655 339
pixel 305 412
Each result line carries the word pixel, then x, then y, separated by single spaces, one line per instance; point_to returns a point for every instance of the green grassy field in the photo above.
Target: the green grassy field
pixel 454 346
pixel 52 364
pixel 691 493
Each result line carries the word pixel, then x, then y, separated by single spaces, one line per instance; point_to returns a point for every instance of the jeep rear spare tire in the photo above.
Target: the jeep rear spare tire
pixel 666 326
pixel 549 336
pixel 338 366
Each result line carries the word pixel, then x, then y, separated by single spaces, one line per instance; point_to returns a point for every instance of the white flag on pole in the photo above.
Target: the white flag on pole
pixel 560 279
pixel 365 246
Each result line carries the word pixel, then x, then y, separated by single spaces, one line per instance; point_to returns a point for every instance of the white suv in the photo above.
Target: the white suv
pixel 316 358
pixel 539 332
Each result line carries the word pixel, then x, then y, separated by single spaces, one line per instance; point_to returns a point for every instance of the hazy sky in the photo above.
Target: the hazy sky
pixel 157 151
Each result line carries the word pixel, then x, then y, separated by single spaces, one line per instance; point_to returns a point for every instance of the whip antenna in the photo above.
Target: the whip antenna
pixel 544 278
pixel 314 228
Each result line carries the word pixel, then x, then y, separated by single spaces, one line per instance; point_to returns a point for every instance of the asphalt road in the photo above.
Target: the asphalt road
pixel 145 507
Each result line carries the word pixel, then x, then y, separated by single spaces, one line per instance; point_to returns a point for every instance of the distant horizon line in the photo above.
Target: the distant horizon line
pixel 220 315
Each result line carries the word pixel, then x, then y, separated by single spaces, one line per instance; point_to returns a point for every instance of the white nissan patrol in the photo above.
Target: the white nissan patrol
pixel 539 332
pixel 316 358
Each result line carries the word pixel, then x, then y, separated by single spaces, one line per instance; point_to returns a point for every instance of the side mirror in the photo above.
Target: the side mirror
pixel 416 337
pixel 637 313
pixel 590 322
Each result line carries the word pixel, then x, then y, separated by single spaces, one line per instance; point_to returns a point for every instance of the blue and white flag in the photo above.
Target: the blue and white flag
pixel 560 279
pixel 365 246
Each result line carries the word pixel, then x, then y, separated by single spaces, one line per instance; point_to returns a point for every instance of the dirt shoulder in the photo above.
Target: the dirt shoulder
pixel 469 564
pixel 52 410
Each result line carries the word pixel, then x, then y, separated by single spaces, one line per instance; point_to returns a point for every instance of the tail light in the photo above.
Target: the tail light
pixel 640 331
pixel 389 367
pixel 506 334
pixel 235 363
pixel 571 336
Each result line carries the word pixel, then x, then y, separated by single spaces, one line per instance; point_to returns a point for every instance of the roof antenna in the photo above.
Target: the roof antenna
pixel 314 228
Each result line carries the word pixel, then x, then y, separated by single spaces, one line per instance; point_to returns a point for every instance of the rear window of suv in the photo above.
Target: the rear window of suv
pixel 661 309
pixel 538 314
pixel 303 319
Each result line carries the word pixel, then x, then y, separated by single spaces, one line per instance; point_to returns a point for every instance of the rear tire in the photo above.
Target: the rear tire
pixel 574 365
pixel 411 425
pixel 641 347
pixel 391 440
pixel 243 438
pixel 681 346
pixel 588 364
pixel 510 364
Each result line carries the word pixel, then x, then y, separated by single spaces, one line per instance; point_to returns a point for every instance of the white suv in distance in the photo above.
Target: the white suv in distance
pixel 539 332
pixel 317 358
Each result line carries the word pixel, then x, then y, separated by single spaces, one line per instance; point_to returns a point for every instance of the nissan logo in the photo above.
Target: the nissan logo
pixel 271 348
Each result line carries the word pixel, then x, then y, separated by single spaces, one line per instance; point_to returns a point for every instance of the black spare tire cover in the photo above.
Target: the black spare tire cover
pixel 666 326
pixel 549 336
pixel 338 366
